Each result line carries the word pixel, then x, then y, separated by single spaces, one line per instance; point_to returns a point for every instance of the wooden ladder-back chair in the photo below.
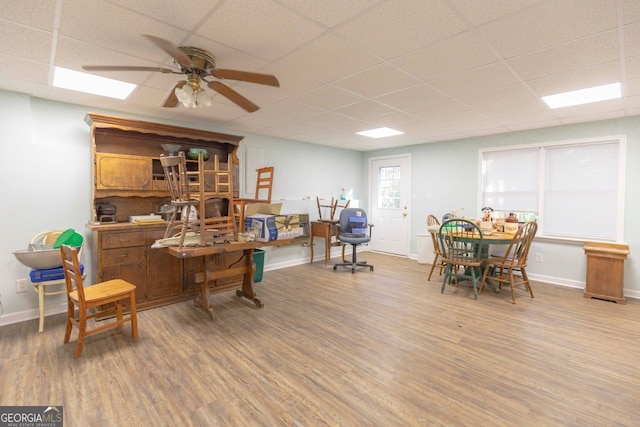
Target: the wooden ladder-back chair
pixel 110 294
pixel 176 178
pixel 212 186
pixel 264 187
pixel 432 223
pixel 513 261
pixel 461 244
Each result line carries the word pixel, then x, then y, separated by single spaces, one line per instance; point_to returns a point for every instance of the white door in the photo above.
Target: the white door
pixel 390 180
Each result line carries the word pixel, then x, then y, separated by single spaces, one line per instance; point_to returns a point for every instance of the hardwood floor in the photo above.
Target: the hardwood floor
pixel 381 348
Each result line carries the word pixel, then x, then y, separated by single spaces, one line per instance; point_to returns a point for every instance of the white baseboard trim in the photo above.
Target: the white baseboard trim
pixel 33 313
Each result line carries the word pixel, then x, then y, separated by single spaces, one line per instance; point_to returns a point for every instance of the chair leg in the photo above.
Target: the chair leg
pixel 134 316
pixel 475 282
pixel 82 332
pixel 433 267
pixel 512 281
pixel 119 316
pixel 67 334
pixel 447 275
pixel 526 281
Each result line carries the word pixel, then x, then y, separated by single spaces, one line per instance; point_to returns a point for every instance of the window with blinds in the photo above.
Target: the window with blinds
pixel 574 189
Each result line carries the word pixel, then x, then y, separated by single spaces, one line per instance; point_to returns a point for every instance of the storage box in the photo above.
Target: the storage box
pixel 292 226
pixel 45 275
pixel 264 226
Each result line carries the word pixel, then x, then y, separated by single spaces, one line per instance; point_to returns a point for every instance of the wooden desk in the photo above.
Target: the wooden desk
pixel 326 230
pixel 215 267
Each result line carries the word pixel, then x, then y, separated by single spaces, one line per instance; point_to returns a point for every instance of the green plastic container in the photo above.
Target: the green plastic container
pixel 258 258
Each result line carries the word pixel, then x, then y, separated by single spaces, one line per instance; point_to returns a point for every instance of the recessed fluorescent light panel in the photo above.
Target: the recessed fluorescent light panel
pixel 584 96
pixel 380 132
pixel 88 83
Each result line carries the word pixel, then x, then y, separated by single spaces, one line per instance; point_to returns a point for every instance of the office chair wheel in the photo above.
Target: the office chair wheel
pixel 371 268
pixel 335 267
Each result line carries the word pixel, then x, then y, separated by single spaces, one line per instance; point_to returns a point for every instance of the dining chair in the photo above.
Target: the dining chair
pixel 461 243
pixel 432 223
pixel 264 187
pixel 100 300
pixel 175 175
pixel 513 261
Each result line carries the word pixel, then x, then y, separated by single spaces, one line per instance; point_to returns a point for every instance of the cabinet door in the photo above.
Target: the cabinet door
pixel 123 172
pixel 163 270
pixel 127 264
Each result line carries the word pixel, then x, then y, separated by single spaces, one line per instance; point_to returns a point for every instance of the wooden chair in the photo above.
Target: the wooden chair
pixel 110 294
pixel 175 175
pixel 513 261
pixel 432 222
pixel 461 244
pixel 264 186
pixel 212 187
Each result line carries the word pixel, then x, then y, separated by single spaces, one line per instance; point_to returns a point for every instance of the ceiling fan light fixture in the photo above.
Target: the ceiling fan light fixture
pixel 190 98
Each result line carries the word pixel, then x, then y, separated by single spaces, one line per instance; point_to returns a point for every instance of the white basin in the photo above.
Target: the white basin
pixel 42 259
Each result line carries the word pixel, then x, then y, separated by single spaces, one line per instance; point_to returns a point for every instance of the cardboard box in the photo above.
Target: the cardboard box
pixel 292 226
pixel 264 226
pixel 263 208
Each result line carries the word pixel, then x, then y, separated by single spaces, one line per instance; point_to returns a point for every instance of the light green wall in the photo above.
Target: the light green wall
pixel 448 171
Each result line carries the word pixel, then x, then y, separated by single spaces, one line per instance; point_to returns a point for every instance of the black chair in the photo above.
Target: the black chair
pixel 354 229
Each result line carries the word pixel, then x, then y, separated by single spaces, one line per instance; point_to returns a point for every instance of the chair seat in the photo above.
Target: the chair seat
pixel 110 289
pixel 354 239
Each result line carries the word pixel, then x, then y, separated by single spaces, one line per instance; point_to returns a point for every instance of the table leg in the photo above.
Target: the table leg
pixel 202 300
pixel 41 307
pixel 247 281
pixel 311 247
pixel 327 248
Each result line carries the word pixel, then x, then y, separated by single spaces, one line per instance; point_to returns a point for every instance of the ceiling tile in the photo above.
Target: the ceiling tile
pixel 584 53
pixel 549 24
pixel 475 81
pixel 453 55
pixel 377 81
pixel 261 28
pixel 415 24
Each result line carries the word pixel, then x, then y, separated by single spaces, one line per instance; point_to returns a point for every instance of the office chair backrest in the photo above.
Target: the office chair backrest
pixel 345 223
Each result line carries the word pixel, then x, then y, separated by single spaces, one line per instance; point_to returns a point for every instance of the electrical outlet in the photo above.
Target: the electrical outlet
pixel 539 257
pixel 21 285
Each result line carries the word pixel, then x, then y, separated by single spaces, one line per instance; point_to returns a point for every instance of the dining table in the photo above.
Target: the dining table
pixel 488 238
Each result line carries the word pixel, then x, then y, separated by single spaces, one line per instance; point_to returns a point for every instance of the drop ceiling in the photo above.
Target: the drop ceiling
pixel 436 70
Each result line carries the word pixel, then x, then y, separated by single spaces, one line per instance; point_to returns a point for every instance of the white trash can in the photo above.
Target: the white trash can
pixel 425 248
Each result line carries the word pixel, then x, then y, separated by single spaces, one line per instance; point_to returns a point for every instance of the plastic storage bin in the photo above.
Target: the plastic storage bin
pixel 258 259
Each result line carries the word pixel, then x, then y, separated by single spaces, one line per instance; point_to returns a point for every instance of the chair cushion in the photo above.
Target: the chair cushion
pixel 353 239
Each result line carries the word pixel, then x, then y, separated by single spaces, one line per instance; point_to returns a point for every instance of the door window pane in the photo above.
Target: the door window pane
pixel 389 187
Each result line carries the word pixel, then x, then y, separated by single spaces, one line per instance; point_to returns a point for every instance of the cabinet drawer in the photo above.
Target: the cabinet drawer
pixel 122 239
pixel 123 256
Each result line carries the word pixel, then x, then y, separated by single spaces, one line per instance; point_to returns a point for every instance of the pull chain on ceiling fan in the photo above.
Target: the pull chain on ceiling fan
pixel 198 66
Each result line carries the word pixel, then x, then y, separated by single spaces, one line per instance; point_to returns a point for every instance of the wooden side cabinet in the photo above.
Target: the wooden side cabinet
pixel 605 271
pixel 128 255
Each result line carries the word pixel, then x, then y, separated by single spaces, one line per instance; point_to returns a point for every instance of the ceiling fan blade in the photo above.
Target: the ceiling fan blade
pixel 245 76
pixel 172 100
pixel 125 68
pixel 172 50
pixel 233 96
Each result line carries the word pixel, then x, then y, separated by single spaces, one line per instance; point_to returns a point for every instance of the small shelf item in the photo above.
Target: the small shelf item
pixel 171 148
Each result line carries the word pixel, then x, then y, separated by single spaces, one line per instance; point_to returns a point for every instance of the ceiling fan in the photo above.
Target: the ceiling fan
pixel 198 66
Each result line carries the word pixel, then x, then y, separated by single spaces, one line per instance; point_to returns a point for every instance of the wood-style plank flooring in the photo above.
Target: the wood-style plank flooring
pixel 331 348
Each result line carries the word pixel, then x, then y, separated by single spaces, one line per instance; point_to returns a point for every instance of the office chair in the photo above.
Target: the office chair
pixel 352 229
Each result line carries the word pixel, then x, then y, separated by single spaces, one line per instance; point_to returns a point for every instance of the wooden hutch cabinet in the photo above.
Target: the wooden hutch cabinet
pixel 127 174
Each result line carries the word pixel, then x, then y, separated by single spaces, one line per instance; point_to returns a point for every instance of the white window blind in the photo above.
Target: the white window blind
pixel 510 180
pixel 576 188
pixel 581 191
